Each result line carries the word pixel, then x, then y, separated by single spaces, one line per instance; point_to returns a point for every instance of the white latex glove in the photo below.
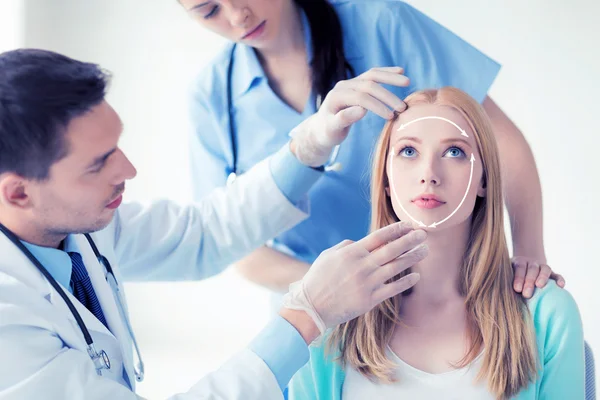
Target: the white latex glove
pixel 349 279
pixel 314 139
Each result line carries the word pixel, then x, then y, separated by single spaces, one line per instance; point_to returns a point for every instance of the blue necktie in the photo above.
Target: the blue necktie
pixel 83 289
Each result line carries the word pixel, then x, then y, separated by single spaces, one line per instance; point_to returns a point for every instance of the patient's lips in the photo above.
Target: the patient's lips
pixel 428 201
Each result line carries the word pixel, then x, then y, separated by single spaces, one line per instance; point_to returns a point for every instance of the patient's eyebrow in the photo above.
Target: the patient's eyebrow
pixel 457 139
pixel 411 138
pixel 447 140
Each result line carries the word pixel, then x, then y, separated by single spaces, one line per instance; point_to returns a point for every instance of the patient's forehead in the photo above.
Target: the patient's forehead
pixel 416 128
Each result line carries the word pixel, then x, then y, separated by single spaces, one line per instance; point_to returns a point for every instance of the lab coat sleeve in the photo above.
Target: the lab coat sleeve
pixel 38 364
pixel 167 242
pixel 243 377
pixel 260 372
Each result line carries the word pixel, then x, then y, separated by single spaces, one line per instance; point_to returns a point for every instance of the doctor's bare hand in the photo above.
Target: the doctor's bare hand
pixel 351 278
pixel 348 102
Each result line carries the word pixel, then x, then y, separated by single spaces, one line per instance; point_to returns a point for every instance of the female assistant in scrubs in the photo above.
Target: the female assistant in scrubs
pixel 285 56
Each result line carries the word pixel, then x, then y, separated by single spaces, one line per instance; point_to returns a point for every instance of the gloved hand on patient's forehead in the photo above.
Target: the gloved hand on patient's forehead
pixel 348 102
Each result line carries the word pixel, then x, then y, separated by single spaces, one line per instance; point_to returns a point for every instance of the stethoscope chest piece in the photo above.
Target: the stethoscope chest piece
pixel 105 359
pixel 100 359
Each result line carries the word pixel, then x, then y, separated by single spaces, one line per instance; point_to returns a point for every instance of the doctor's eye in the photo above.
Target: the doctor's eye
pixel 97 168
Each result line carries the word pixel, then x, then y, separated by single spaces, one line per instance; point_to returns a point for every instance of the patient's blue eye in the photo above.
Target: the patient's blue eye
pixel 408 152
pixel 455 152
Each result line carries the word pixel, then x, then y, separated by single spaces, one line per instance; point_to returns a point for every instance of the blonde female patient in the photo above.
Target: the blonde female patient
pixel 461 332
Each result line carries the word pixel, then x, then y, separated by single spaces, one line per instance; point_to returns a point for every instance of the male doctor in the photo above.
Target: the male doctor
pixel 62 176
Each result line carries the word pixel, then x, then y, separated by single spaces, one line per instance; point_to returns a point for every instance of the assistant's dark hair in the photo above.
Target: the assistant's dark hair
pixel 329 64
pixel 40 93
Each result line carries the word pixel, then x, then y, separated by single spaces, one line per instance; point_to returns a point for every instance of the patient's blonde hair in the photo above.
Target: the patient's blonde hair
pixel 497 316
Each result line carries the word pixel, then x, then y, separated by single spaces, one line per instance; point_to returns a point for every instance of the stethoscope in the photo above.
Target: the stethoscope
pixel 99 358
pixel 233 169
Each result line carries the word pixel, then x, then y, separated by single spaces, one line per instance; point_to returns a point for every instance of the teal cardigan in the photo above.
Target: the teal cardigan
pixel 559 334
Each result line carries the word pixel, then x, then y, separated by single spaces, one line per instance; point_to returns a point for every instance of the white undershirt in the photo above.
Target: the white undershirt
pixel 415 384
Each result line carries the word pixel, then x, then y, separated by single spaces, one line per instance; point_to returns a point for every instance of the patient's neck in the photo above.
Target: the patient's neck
pixel 440 270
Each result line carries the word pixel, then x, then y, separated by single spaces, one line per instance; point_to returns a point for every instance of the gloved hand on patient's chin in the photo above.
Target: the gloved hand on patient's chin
pixel 349 279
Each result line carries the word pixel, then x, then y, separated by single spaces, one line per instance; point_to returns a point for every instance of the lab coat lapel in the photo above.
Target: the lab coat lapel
pixel 17 265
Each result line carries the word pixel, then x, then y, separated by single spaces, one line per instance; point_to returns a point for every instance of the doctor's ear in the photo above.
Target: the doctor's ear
pixel 13 191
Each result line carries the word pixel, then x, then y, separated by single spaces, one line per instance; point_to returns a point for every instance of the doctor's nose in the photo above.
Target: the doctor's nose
pixel 126 170
pixel 129 170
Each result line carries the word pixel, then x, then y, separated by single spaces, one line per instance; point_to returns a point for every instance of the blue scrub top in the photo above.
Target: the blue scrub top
pixel 376 33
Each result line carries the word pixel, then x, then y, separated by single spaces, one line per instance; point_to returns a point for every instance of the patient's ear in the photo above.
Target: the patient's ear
pixel 482 189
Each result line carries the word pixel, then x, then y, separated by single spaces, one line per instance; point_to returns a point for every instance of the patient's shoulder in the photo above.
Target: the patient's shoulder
pixel 552 306
pixel 551 296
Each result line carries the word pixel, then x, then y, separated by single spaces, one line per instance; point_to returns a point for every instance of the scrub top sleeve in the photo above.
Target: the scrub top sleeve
pixel 208 166
pixel 282 348
pixel 434 57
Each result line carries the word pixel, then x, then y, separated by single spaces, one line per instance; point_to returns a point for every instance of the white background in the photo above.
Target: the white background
pixel 548 85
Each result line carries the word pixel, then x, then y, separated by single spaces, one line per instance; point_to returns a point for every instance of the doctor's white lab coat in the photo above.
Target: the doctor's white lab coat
pixel 43 352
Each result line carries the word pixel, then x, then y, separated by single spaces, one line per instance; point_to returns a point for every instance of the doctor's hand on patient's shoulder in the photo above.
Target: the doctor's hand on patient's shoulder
pixel 529 273
pixel 348 102
pixel 349 279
